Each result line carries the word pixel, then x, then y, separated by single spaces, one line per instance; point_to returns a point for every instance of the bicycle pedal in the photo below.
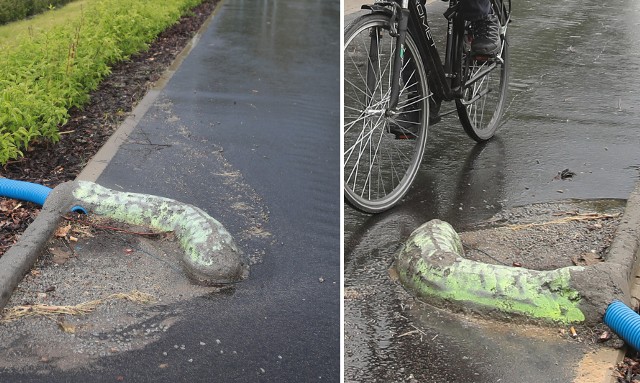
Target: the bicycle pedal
pixel 403 136
pixel 483 58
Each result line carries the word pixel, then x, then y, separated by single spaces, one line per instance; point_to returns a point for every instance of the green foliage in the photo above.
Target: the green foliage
pixel 12 10
pixel 46 75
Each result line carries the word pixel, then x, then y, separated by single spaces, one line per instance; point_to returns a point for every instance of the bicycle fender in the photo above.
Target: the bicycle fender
pixel 379 8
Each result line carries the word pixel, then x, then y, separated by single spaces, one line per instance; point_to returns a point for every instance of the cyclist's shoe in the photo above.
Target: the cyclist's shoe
pixel 405 126
pixel 486 36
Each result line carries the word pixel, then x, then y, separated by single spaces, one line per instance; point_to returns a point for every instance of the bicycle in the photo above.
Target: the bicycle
pixel 391 95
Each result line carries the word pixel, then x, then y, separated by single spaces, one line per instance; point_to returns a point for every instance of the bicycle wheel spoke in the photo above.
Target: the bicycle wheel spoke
pixel 378 164
pixel 484 93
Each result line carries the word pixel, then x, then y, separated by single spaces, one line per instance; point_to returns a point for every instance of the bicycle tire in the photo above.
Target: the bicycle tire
pixel 379 166
pixel 479 114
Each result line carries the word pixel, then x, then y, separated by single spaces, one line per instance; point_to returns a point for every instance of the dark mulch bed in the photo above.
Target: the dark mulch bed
pixel 628 371
pixel 90 127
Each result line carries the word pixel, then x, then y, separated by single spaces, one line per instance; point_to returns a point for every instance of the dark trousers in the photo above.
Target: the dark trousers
pixel 473 10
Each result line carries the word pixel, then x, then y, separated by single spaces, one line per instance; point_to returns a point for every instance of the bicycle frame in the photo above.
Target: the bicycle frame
pixel 444 81
pixel 443 78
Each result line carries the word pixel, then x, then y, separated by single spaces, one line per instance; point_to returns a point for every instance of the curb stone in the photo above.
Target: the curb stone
pixel 432 265
pixel 20 257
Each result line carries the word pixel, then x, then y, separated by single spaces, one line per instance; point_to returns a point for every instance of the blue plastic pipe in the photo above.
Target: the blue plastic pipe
pixel 624 322
pixel 27 191
pixel 24 191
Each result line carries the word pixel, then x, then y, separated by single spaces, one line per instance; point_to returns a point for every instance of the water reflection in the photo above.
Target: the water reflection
pixel 465 193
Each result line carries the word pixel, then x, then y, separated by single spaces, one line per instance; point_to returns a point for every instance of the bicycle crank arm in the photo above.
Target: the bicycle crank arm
pixel 476 97
pixel 480 75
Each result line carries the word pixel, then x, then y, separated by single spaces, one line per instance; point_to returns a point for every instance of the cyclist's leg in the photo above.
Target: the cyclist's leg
pixel 484 82
pixel 473 10
pixel 485 26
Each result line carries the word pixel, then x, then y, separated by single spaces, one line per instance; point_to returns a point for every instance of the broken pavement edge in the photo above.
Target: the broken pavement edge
pixel 432 265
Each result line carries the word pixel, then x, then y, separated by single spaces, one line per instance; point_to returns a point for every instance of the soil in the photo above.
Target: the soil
pixel 546 236
pixel 90 127
pixel 550 236
pixel 130 280
pixel 628 371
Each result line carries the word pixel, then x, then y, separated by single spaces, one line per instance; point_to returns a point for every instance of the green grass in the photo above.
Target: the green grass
pixel 12 33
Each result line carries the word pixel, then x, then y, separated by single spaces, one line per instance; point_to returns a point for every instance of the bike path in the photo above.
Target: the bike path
pixel 261 88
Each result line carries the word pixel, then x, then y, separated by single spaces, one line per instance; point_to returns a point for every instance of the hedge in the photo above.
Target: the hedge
pixel 46 75
pixel 12 10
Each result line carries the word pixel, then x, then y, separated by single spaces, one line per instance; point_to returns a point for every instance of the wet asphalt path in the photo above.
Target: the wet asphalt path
pixel 246 130
pixel 573 105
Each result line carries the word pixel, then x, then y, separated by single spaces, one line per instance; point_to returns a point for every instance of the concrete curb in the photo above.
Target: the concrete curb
pixel 17 261
pixel 432 265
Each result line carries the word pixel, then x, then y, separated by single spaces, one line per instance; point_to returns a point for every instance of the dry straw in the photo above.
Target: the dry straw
pixel 18 312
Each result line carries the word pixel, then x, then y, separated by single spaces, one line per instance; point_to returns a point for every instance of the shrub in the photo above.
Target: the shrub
pixel 46 75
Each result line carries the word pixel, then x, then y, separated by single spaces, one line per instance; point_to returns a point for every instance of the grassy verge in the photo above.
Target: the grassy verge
pixel 43 75
pixel 12 10
pixel 13 33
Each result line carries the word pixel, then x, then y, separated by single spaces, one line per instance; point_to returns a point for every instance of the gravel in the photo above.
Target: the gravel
pixel 98 265
pixel 546 236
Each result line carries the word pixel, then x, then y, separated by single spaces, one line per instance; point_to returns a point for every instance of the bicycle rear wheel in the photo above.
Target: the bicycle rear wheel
pixel 382 148
pixel 484 89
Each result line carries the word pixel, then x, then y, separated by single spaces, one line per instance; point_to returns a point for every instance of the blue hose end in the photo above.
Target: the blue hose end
pixel 79 209
pixel 625 322
pixel 24 191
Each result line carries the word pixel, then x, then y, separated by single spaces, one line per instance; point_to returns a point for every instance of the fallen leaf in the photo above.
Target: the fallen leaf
pixel 63 231
pixel 164 365
pixel 586 259
pixel 67 327
pixel 605 336
pixel 59 256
